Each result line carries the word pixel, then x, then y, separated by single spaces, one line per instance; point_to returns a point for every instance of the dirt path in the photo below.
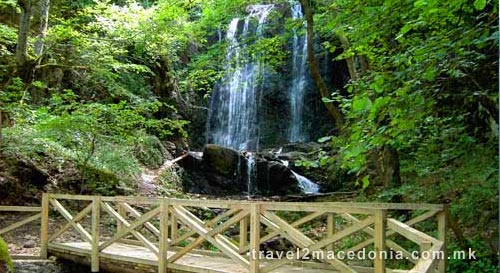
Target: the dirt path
pixel 149 177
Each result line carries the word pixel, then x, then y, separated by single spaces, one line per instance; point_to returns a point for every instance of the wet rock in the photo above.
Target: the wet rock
pixel 29 244
pixel 223 171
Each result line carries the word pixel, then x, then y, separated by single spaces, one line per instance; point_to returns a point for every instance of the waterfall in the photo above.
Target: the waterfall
pixel 306 185
pixel 251 172
pixel 236 102
pixel 297 90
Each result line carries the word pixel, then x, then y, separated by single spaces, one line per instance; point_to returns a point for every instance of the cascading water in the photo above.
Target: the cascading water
pixel 250 172
pixel 305 184
pixel 236 102
pixel 297 90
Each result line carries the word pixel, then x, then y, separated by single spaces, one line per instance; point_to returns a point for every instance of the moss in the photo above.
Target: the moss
pixel 5 257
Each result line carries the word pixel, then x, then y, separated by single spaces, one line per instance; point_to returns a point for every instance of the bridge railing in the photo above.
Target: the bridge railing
pixel 7 227
pixel 252 234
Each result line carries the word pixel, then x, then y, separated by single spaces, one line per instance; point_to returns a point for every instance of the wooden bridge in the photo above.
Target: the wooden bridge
pixel 138 234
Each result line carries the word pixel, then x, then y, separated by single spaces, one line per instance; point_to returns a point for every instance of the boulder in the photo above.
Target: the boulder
pixel 223 171
pixel 222 160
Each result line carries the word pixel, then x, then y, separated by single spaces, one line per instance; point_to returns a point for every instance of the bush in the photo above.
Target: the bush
pixel 5 259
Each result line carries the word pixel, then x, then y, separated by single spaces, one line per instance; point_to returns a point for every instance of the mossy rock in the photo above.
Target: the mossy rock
pixel 221 160
pixel 6 265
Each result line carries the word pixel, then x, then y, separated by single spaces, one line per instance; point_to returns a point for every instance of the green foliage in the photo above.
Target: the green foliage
pixel 5 256
pixel 170 183
pixel 424 82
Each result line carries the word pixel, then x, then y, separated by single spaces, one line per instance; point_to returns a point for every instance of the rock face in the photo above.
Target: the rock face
pixel 224 171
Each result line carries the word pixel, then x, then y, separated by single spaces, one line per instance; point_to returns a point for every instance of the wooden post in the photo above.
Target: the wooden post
pixel 255 211
pixel 243 233
pixel 330 229
pixel 121 211
pixel 442 227
pixel 379 237
pixel 174 225
pixel 96 217
pixel 44 231
pixel 164 215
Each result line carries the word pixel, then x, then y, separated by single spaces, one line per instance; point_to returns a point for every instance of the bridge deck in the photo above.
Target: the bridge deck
pixel 143 260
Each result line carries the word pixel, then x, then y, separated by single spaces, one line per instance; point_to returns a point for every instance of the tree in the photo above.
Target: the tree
pixel 24 27
pixel 315 71
pixel 44 22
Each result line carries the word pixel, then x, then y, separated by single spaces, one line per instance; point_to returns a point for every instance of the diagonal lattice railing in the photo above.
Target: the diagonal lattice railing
pixel 173 230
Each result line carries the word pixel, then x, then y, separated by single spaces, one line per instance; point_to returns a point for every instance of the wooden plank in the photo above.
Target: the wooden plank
pixel 255 211
pixel 348 207
pixel 26 257
pixel 96 217
pixel 368 242
pixel 379 230
pixel 218 240
pixel 209 223
pixel 330 228
pixel 428 265
pixel 163 251
pixel 78 227
pixel 297 223
pixel 70 197
pixel 69 224
pixel 20 223
pixel 137 214
pixel 174 228
pixel 130 228
pixel 20 209
pixel 303 242
pixel 293 234
pixel 123 214
pixel 218 229
pixel 442 228
pixel 410 233
pixel 244 226
pixel 44 229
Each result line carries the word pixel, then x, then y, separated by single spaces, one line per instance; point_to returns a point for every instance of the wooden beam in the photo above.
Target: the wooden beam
pixel 130 228
pixel 123 214
pixel 78 227
pixel 96 218
pixel 217 230
pixel 442 228
pixel 209 223
pixel 255 211
pixel 174 228
pixel 410 233
pixel 297 223
pixel 20 223
pixel 20 209
pixel 163 251
pixel 330 228
pixel 371 232
pixel 428 265
pixel 218 240
pixel 137 214
pixel 244 226
pixel 380 226
pixel 44 229
pixel 73 221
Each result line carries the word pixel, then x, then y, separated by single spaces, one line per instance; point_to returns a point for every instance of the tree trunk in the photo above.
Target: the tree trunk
pixel 24 26
pixel 1 132
pixel 313 65
pixel 351 66
pixel 44 21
